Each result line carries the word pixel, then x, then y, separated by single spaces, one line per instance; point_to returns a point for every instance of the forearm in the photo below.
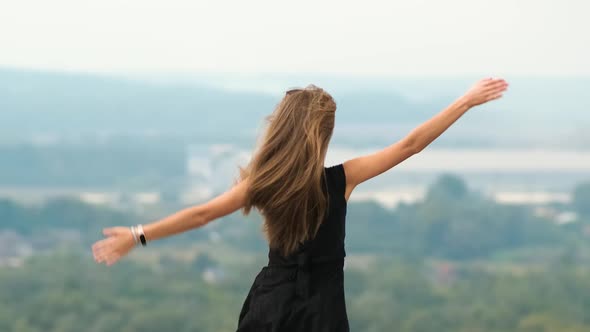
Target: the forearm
pixel 427 132
pixel 181 221
pixel 197 216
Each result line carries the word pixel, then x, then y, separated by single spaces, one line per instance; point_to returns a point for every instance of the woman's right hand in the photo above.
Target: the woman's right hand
pixel 485 90
pixel 117 244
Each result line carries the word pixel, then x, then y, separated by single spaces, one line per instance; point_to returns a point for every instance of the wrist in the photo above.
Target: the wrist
pixel 138 234
pixel 133 231
pixel 141 234
pixel 464 103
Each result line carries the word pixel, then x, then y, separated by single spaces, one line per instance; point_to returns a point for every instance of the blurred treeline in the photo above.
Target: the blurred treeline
pixel 454 261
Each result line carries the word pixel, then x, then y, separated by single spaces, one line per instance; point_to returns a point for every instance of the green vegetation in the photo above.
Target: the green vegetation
pixel 453 262
pixel 66 292
pixel 582 199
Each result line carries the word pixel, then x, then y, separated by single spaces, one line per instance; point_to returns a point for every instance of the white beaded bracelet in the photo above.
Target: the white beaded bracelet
pixel 134 233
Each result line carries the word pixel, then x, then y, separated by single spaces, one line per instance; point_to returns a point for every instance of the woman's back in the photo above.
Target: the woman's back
pixel 304 291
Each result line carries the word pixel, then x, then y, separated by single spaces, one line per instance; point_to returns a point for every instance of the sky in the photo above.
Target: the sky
pixel 366 38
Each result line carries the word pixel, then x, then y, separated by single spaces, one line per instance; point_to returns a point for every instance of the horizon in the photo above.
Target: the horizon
pixel 274 84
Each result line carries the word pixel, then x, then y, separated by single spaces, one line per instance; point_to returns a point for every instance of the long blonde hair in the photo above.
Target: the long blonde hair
pixel 285 174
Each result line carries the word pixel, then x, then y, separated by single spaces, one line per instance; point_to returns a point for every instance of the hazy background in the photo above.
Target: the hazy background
pixel 117 113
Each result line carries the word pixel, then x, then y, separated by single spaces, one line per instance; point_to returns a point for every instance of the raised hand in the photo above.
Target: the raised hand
pixel 485 90
pixel 118 243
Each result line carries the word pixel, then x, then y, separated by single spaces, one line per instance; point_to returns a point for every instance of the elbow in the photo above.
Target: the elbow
pixel 415 149
pixel 413 146
pixel 200 217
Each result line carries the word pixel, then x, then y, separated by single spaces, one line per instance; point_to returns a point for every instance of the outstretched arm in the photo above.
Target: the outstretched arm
pixel 120 241
pixel 366 167
pixel 198 216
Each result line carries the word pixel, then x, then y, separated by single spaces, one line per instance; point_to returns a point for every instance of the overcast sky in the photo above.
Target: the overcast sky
pixel 369 37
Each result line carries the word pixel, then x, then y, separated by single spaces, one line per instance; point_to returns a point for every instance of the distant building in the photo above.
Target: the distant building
pixel 212 275
pixel 557 216
pixel 212 168
pixel 13 249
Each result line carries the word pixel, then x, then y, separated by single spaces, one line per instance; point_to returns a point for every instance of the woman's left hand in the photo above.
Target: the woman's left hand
pixel 118 243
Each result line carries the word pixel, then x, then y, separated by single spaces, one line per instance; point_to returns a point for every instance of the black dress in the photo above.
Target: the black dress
pixel 304 291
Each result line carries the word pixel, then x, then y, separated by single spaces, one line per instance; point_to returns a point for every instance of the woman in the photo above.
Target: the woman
pixel 304 207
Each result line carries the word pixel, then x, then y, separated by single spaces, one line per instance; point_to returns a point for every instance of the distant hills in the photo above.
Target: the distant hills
pixel 536 112
pixel 80 104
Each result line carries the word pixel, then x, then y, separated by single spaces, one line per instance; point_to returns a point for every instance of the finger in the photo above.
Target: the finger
pixel 496 87
pixel 100 244
pixel 97 255
pixel 496 82
pixel 494 92
pixel 103 244
pixel 104 258
pixel 496 96
pixel 95 252
pixel 108 231
pixel 488 81
pixel 98 258
pixel 101 254
pixel 101 258
pixel 112 259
